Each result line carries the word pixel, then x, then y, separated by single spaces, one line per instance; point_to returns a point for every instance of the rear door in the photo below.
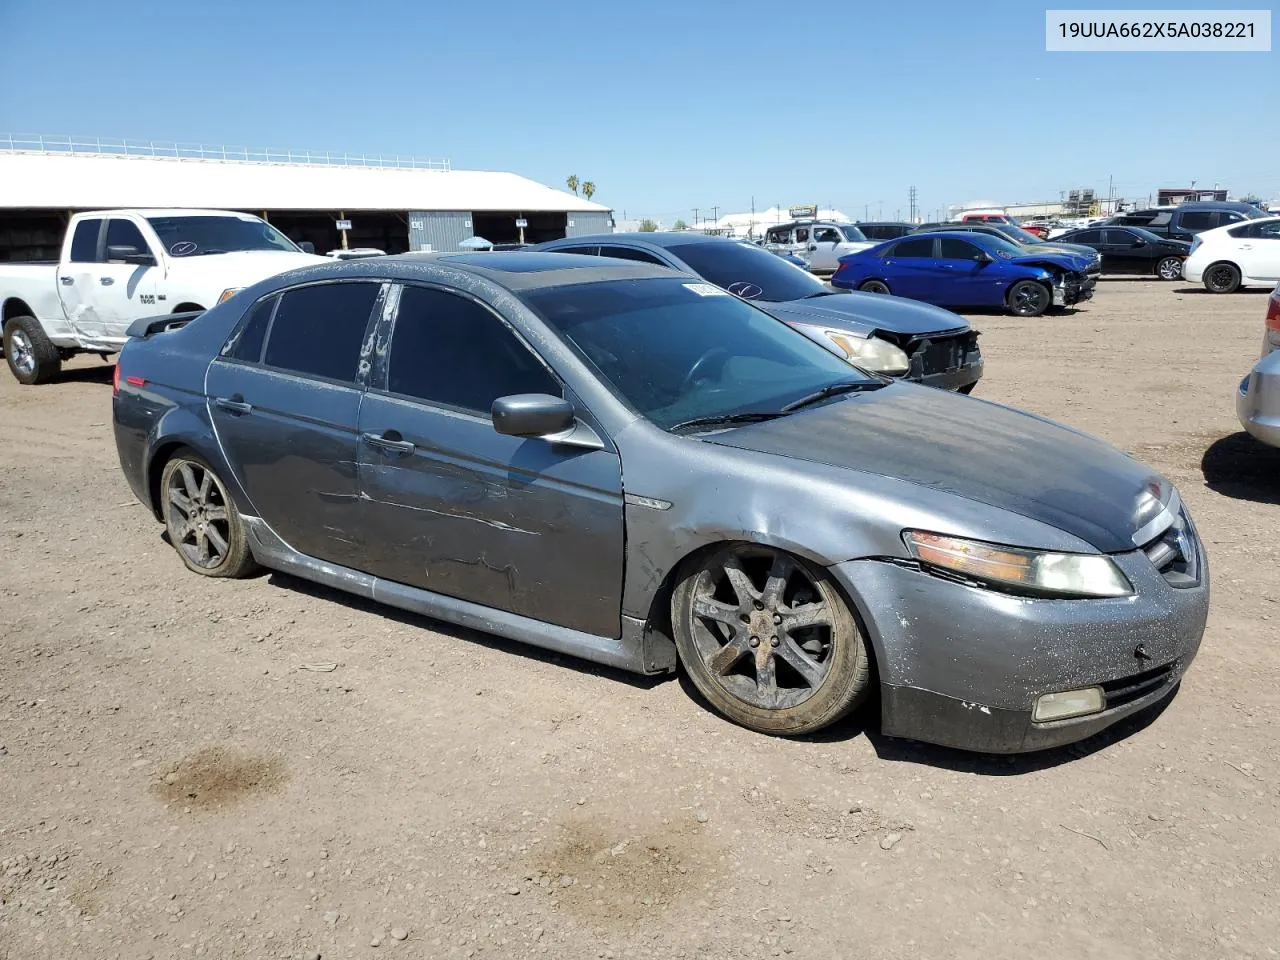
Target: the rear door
pixel 1094 238
pixel 78 277
pixel 284 397
pixel 1259 250
pixel 452 506
pixel 912 270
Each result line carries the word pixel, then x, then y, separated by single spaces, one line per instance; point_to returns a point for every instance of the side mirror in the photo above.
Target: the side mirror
pixel 984 257
pixel 1139 243
pixel 306 246
pixel 128 254
pixel 532 415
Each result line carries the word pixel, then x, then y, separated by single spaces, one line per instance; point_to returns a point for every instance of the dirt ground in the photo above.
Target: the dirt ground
pixel 181 775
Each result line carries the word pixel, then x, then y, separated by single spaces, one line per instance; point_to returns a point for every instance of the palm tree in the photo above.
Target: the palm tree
pixel 588 189
pixel 572 183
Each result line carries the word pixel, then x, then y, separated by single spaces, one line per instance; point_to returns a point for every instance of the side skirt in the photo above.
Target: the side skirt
pixel 637 650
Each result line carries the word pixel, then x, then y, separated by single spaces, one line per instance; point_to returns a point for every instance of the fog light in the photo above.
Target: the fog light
pixel 1069 703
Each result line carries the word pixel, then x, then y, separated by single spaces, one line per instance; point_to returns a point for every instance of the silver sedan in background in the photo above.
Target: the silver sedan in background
pixel 1258 400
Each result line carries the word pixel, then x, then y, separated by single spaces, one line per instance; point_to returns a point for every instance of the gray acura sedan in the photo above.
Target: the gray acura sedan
pixel 624 463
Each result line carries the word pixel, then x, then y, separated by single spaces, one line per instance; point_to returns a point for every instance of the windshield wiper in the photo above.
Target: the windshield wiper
pixel 819 293
pixel 832 390
pixel 728 419
pixel 205 253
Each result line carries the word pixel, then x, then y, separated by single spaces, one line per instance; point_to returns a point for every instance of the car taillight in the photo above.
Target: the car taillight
pixel 115 381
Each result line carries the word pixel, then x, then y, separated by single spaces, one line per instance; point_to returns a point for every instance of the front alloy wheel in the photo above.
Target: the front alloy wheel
pixel 1028 298
pixel 1170 268
pixel 768 640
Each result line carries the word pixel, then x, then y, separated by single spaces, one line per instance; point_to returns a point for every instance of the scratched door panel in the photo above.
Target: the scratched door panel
pixel 508 522
pixel 294 454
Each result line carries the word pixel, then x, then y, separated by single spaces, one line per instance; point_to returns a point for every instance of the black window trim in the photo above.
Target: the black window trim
pixel 627 246
pixel 99 245
pixel 378 382
pixel 239 328
pixel 361 380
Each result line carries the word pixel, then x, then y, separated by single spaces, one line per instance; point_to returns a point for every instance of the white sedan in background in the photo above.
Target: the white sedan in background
pixel 1242 255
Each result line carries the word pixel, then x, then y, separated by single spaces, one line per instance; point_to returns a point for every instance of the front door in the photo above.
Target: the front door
pixel 1123 253
pixel 911 269
pixel 284 398
pixel 124 291
pixel 823 254
pixel 454 507
pixel 964 269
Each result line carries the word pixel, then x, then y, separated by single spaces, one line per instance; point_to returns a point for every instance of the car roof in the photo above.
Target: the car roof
pixel 168 212
pixel 656 239
pixel 516 272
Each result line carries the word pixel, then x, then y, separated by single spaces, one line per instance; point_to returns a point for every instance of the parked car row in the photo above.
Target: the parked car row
pixel 620 460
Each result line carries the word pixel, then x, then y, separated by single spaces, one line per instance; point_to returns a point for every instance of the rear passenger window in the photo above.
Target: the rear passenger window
pixel 919 247
pixel 449 350
pixel 1198 220
pixel 585 251
pixel 246 343
pixel 1087 237
pixel 318 330
pixel 84 245
pixel 627 253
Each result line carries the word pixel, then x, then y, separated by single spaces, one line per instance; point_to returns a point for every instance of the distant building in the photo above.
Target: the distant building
pixel 394 203
pixel 1169 196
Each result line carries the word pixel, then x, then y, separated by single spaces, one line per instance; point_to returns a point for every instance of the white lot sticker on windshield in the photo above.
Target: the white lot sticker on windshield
pixel 705 289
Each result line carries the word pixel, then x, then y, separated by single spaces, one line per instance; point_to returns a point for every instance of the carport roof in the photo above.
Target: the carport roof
pixel 68 182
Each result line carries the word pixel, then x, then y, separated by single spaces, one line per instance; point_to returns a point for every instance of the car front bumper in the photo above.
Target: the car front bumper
pixel 963 666
pixel 1075 290
pixel 1258 400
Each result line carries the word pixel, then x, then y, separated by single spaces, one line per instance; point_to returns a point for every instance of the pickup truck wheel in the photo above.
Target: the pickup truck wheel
pixel 202 521
pixel 1028 298
pixel 1222 278
pixel 31 356
pixel 768 640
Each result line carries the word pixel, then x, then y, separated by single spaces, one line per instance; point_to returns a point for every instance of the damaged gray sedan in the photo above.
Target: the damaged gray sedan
pixel 621 462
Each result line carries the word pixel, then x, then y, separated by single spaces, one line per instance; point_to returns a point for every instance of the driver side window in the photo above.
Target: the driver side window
pixel 827 235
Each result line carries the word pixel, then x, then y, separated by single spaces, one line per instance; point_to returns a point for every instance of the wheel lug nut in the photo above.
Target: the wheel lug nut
pixel 746 618
pixel 755 641
pixel 773 641
pixel 777 618
pixel 759 605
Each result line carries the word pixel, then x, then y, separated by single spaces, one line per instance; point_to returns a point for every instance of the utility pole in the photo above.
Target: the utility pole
pixel 866 211
pixel 911 194
pixel 715 214
pixel 695 217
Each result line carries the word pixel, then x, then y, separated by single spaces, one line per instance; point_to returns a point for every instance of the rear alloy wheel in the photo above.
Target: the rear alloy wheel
pixel 874 286
pixel 768 640
pixel 1222 278
pixel 203 523
pixel 1029 298
pixel 31 355
pixel 1169 268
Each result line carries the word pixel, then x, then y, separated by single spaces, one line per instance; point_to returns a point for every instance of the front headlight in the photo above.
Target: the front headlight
pixel 872 353
pixel 228 293
pixel 1037 572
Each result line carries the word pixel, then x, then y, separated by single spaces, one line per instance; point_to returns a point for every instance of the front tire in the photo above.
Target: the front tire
pixel 203 523
pixel 768 640
pixel 874 286
pixel 31 355
pixel 1222 278
pixel 1029 298
pixel 1169 268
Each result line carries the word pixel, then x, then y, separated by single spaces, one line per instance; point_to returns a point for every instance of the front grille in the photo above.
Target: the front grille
pixel 1128 689
pixel 1174 553
pixel 932 353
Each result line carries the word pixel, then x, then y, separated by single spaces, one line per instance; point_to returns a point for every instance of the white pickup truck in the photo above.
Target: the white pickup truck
pixel 119 265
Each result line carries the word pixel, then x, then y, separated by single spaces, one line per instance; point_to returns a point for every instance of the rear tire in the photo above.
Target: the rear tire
pixel 31 355
pixel 768 640
pixel 1029 298
pixel 1222 278
pixel 874 286
pixel 1169 268
pixel 203 523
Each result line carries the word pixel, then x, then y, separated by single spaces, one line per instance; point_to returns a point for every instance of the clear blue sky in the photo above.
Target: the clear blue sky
pixel 666 105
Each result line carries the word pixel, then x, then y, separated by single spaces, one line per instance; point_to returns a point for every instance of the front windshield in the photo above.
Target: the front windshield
pixel 1001 247
pixel 675 350
pixel 196 236
pixel 748 271
pixel 852 233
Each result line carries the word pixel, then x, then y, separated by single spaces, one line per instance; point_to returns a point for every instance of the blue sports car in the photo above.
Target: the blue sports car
pixel 957 269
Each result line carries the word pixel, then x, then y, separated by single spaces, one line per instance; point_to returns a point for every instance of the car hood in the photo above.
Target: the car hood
pixel 862 313
pixel 1068 261
pixel 995 455
pixel 1053 246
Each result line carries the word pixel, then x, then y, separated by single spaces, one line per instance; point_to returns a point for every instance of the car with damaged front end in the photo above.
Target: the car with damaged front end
pixel 624 463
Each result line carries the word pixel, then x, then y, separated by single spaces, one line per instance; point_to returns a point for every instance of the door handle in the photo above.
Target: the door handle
pixel 234 405
pixel 106 281
pixel 67 281
pixel 391 442
pixel 1246 246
